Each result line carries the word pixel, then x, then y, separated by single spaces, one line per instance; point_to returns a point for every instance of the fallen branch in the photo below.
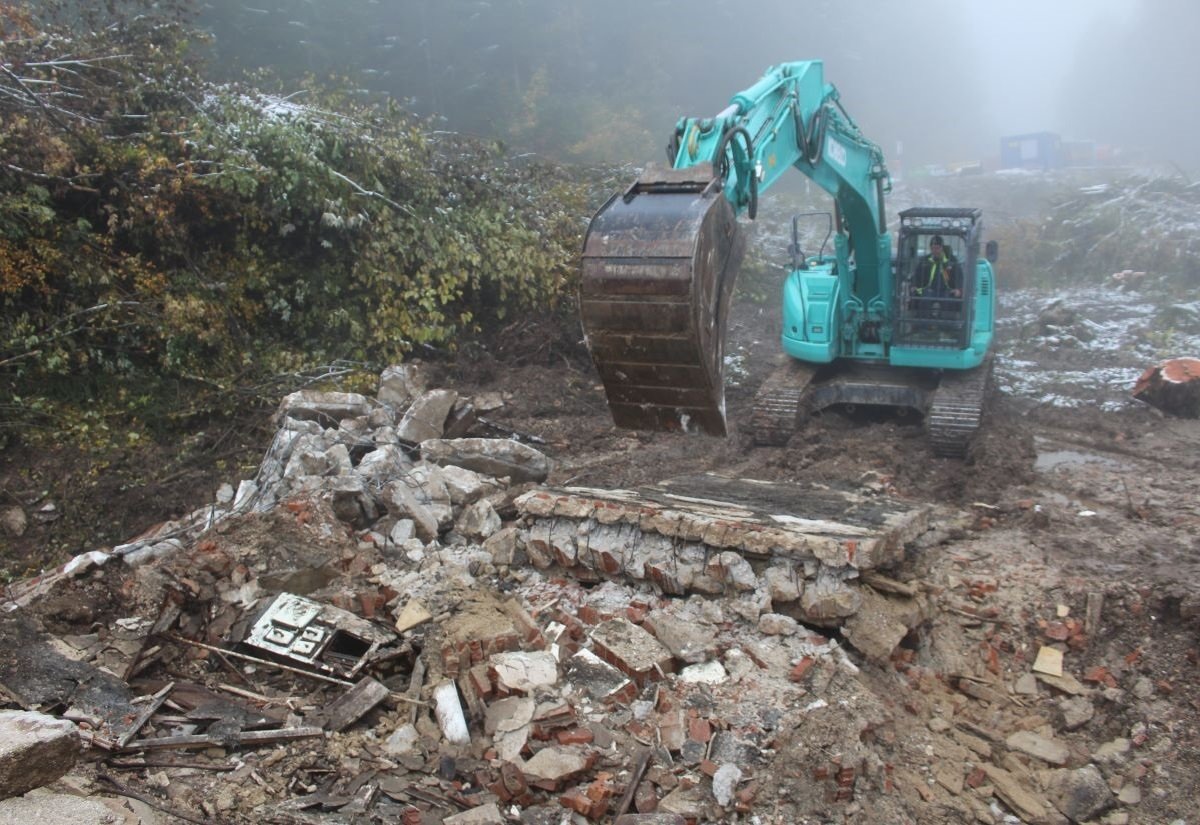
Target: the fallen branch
pixel 368 193
pixel 122 790
pixel 208 740
pixel 37 100
pixel 142 764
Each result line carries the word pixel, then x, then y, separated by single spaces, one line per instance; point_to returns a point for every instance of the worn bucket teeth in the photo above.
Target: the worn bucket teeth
pixel 658 269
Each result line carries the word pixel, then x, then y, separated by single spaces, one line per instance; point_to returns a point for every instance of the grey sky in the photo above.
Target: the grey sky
pixel 1027 48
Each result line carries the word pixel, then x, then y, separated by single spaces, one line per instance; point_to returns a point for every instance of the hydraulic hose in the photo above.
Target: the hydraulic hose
pixel 815 138
pixel 723 164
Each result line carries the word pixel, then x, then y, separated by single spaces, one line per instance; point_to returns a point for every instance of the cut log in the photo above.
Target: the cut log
pixel 1172 386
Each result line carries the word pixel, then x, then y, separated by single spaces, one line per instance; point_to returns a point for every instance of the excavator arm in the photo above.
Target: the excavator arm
pixel 659 260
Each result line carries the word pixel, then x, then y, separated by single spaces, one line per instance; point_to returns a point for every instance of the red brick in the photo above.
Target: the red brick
pixel 481 682
pixel 645 800
pixel 699 730
pixel 574 626
pixel 575 736
pixel 802 667
pixel 744 798
pixel 577 801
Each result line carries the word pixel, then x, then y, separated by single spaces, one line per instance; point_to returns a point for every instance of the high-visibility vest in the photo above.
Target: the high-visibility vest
pixel 937 267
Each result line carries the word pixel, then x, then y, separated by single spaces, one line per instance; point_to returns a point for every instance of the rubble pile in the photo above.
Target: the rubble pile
pixel 812 552
pixel 395 622
pixel 356 633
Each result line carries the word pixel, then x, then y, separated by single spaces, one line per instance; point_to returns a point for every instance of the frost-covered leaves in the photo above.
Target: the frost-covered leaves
pixel 152 223
pixel 1146 224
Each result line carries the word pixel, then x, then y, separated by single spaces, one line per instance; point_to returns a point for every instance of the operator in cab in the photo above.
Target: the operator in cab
pixel 938 274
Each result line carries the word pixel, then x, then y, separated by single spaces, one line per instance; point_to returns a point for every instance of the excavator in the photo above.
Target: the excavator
pixel 859 326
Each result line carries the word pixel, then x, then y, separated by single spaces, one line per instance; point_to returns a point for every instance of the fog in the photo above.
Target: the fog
pixel 932 81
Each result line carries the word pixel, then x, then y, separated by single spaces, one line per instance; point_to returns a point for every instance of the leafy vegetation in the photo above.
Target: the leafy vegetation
pixel 164 237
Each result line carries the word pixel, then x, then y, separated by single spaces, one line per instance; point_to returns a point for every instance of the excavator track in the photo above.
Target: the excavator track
pixel 956 412
pixel 779 405
pixel 659 263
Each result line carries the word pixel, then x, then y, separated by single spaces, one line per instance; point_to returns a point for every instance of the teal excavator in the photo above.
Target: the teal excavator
pixel 859 325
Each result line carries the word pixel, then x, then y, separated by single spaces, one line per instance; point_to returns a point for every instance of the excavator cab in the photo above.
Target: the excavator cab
pixel 927 312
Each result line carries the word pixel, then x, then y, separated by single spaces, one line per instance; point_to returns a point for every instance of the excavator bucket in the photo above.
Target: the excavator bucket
pixel 659 264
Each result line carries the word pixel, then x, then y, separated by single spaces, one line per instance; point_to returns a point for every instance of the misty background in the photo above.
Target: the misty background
pixel 932 81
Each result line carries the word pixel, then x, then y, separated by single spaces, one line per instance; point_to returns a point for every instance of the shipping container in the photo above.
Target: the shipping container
pixel 1037 150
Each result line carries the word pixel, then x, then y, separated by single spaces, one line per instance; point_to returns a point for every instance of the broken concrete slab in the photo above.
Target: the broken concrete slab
pixel 35 750
pixel 525 671
pixel 1026 803
pixel 632 650
pixel 712 535
pixel 352 500
pixel 1039 747
pixel 556 763
pixel 51 808
pixel 600 680
pixel 881 622
pixel 326 408
pixel 1075 711
pixel 426 417
pixel 413 614
pixel 487 814
pixel 400 384
pixel 478 521
pixel 385 463
pixel 467 486
pixel 35 674
pixel 758 518
pixel 496 457
pixel 509 714
pixel 403 500
pixel 461 419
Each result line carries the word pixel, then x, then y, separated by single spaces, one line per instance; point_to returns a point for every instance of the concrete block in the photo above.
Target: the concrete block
pixel 426 418
pixel 400 384
pixel 35 750
pixel 632 650
pixel 495 457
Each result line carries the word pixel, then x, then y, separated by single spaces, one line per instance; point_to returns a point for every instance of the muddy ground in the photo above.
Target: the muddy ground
pixel 1056 505
pixel 1074 524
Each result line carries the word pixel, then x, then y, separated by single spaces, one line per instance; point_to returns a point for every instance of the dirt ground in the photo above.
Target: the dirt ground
pixel 1072 526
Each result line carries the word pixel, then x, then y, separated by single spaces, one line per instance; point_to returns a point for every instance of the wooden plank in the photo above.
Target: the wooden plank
pixel 355 703
pixel 255 737
pixel 155 702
